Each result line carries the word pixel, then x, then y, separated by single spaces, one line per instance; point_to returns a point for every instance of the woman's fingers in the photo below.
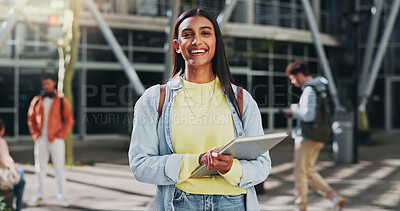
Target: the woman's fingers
pixel 219 162
pixel 216 161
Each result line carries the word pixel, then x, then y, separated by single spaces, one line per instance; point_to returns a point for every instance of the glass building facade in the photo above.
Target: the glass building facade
pixel 103 101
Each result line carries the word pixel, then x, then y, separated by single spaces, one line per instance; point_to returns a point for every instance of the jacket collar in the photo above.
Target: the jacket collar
pixel 175 83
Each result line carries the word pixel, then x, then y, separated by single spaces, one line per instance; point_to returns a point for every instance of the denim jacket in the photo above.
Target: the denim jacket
pixel 151 153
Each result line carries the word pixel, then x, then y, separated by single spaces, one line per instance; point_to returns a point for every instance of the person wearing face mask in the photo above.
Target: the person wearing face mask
pixel 180 125
pixel 50 118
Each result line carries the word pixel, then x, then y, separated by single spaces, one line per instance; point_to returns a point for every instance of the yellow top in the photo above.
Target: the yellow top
pixel 202 120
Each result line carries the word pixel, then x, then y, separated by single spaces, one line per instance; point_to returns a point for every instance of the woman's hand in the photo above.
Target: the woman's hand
pixel 216 161
pixel 7 162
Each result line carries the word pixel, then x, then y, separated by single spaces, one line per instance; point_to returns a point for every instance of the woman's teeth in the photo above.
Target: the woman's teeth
pixel 197 51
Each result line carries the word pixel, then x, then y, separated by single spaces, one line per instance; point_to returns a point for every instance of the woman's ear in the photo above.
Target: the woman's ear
pixel 176 46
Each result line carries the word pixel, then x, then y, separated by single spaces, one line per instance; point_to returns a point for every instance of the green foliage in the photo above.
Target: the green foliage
pixel 3 204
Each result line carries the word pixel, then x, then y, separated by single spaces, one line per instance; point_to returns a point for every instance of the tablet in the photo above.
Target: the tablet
pixel 247 148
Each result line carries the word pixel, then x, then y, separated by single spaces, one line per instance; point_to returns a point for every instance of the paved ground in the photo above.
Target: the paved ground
pixel 371 184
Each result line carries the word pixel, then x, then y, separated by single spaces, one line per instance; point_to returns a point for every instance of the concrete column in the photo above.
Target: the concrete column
pixel 317 11
pixel 173 15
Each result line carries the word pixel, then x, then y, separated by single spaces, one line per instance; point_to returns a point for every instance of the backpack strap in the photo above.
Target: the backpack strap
pixel 240 100
pixel 162 98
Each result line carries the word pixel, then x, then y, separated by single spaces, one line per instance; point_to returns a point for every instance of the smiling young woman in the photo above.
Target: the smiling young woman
pixel 200 114
pixel 196 43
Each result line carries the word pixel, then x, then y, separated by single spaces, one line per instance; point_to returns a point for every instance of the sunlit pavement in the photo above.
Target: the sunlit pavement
pixel 371 184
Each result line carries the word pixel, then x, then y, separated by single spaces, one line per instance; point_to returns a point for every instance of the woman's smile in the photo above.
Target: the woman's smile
pixel 198 52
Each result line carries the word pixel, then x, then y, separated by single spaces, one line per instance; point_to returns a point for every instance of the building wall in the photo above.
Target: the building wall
pixel 103 102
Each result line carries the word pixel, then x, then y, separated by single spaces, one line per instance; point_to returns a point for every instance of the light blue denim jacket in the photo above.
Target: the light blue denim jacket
pixel 151 153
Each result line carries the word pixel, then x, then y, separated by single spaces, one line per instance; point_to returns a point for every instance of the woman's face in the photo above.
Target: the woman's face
pixel 196 41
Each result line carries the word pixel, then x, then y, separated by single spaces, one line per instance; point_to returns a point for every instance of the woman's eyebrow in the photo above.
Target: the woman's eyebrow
pixel 206 27
pixel 203 27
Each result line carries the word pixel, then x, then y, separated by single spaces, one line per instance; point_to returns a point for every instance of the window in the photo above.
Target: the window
pixel 8 119
pixel 7 87
pixel 241 80
pixel 107 122
pixel 107 89
pixel 259 63
pixel 148 57
pixel 280 121
pixel 265 120
pixel 102 55
pixel 150 78
pixel 280 65
pixel 298 49
pixel 148 39
pixel 260 90
pixel 29 87
pixel 261 46
pixel 280 48
pixel 280 92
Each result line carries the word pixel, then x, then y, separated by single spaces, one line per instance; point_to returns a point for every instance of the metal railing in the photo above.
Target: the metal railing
pixel 266 12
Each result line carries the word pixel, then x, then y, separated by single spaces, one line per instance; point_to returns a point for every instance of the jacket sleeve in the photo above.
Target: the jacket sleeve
pixel 68 118
pixel 253 171
pixel 32 124
pixel 306 109
pixel 145 161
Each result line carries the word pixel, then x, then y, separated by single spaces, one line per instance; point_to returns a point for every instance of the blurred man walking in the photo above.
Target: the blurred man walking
pixel 306 148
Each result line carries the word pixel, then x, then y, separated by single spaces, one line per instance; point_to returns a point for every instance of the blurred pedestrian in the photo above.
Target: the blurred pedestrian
pixel 50 118
pixel 200 112
pixel 6 161
pixel 306 150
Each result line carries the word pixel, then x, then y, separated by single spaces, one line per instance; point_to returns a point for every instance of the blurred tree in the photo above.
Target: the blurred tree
pixel 68 49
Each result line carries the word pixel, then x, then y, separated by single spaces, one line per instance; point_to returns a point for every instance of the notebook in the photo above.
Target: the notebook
pixel 247 148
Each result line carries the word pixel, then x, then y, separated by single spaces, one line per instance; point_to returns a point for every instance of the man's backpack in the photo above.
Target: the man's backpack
pixel 320 129
pixel 162 98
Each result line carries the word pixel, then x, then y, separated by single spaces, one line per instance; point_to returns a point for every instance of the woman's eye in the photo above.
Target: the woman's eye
pixel 186 34
pixel 206 33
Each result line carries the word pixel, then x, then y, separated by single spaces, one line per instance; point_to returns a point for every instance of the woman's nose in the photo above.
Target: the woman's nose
pixel 196 40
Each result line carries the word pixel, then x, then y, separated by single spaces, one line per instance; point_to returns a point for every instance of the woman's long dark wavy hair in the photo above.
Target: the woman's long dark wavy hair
pixel 220 65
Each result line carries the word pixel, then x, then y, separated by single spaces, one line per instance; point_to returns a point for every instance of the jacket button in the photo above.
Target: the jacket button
pixel 234 112
pixel 240 133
